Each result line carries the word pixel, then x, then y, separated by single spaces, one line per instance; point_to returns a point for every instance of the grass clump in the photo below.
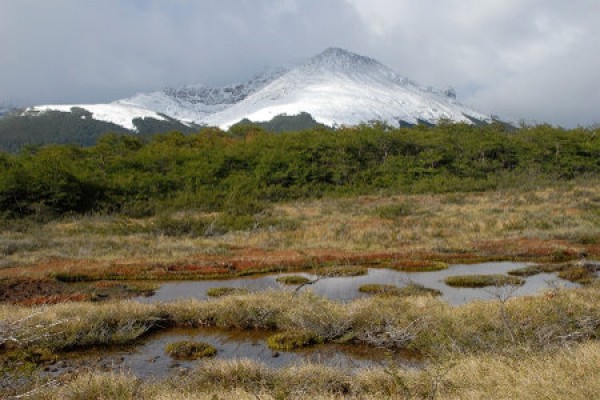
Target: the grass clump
pixel 293 280
pixel 574 272
pixel 379 288
pixel 424 324
pixel 580 275
pixel 539 269
pixel 69 326
pixel 420 266
pixel 142 288
pixel 225 291
pixel 342 271
pixel 96 385
pixel 480 281
pixel 292 340
pixel 415 289
pixel 412 289
pixel 188 350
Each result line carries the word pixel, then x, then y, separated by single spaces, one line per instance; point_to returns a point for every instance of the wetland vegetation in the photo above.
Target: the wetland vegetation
pixel 186 350
pixel 85 230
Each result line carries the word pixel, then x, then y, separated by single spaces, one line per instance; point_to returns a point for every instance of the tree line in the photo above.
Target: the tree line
pixel 241 170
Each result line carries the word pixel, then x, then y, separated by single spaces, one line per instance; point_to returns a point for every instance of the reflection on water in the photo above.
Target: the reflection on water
pixel 346 288
pixel 150 360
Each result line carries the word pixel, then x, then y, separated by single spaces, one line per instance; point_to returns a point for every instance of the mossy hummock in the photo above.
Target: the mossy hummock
pixel 187 350
pixel 480 281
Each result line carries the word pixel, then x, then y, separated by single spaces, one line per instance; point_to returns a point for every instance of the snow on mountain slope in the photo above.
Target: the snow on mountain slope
pixel 341 88
pixel 195 102
pixel 119 114
pixel 336 87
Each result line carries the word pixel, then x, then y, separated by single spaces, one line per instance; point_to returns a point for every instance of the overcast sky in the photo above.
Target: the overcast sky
pixel 533 60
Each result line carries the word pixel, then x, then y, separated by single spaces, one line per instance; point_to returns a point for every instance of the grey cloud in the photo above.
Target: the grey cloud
pixel 77 51
pixel 524 59
pixel 535 60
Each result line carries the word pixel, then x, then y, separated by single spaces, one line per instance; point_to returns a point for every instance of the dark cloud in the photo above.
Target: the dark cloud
pixel 524 59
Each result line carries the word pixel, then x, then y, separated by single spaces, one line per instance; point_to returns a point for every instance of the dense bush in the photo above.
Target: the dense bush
pixel 240 172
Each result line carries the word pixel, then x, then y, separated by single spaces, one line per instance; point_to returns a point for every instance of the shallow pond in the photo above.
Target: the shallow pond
pixel 346 288
pixel 149 360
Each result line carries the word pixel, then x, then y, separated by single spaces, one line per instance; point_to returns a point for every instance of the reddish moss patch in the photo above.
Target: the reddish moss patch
pixel 55 299
pixel 23 290
pixel 531 248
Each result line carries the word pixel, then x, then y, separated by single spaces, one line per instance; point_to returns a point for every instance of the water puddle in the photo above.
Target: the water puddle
pixel 149 360
pixel 346 288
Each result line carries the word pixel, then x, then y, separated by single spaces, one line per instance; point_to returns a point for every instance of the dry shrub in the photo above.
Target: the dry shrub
pixel 325 318
pixel 387 321
pixel 74 325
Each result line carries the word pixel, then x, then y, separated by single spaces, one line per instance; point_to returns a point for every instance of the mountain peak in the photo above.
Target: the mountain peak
pixel 340 58
pixel 336 87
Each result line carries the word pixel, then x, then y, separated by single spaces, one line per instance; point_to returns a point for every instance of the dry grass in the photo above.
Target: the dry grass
pixel 516 348
pixel 568 374
pixel 547 224
pixel 423 323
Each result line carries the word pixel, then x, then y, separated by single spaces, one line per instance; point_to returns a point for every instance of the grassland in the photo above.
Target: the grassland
pixel 547 224
pixel 545 346
pixel 534 337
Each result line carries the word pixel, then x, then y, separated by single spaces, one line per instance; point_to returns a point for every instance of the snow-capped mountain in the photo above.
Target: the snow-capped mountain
pixel 342 88
pixel 115 113
pixel 336 87
pixel 195 102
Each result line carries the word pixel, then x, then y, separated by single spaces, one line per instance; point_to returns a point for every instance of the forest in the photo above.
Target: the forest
pixel 240 170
